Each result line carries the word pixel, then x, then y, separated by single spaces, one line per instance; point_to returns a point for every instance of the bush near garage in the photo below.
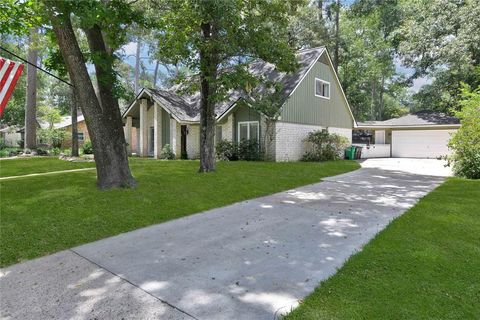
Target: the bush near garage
pixel 465 143
pixel 325 146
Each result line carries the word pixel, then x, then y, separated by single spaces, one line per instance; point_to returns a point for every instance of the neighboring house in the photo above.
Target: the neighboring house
pixel 65 124
pixel 10 136
pixel 313 99
pixel 418 135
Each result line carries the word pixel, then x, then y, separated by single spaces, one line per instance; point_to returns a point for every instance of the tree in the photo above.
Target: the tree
pixel 31 98
pixel 440 39
pixel 103 25
pixel 49 115
pixel 268 102
pixel 367 69
pixel 218 39
pixel 465 142
pixel 74 115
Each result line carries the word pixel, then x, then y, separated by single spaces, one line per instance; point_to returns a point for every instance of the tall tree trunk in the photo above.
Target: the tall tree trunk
pixel 381 103
pixel 137 66
pixel 155 75
pixel 320 11
pixel 73 112
pixel 372 106
pixel 208 76
pixel 31 98
pixel 103 119
pixel 337 35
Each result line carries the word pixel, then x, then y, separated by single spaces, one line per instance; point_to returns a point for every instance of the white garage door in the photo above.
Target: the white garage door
pixel 420 143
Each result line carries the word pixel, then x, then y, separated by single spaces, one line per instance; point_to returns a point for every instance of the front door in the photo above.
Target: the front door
pixel 183 142
pixel 151 141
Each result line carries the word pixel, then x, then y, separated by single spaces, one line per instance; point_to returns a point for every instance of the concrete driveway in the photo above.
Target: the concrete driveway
pixel 250 260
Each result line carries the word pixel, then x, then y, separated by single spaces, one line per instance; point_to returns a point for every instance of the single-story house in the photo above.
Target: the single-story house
pixel 313 99
pixel 418 135
pixel 11 136
pixel 65 124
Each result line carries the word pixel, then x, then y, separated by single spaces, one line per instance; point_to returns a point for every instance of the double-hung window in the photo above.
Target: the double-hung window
pixel 248 130
pixel 80 136
pixel 322 88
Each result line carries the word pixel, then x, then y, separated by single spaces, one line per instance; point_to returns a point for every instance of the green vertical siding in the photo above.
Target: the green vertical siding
pixel 306 108
pixel 165 128
pixel 244 113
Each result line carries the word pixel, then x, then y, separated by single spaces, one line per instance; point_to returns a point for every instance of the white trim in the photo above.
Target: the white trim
pixel 301 80
pixel 248 131
pixel 133 103
pixel 227 112
pixel 341 88
pixel 171 113
pixel 315 88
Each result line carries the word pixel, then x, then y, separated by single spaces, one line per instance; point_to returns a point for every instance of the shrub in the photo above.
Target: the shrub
pixel 3 145
pixel 249 150
pixel 465 143
pixel 167 153
pixel 41 152
pixel 226 150
pixel 55 151
pixel 87 147
pixel 52 137
pixel 4 153
pixel 325 146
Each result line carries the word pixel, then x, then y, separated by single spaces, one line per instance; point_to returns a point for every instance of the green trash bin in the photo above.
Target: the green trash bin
pixel 350 153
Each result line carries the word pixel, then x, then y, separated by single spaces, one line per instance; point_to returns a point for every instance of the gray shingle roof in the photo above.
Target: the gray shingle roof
pixel 422 118
pixel 187 107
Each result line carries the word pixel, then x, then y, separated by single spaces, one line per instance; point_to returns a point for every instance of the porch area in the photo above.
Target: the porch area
pixel 374 143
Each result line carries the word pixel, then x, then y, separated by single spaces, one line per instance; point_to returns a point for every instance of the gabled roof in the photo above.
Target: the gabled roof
pixel 65 121
pixel 186 108
pixel 418 119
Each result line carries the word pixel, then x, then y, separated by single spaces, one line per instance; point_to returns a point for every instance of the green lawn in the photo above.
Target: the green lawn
pixel 425 265
pixel 22 166
pixel 45 214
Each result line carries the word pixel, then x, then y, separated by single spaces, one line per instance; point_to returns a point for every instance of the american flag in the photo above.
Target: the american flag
pixel 10 71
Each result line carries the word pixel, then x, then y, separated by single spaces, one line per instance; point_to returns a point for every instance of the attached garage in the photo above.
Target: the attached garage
pixel 418 135
pixel 420 143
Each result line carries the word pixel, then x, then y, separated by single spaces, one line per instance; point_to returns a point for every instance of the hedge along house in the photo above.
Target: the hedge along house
pixel 312 99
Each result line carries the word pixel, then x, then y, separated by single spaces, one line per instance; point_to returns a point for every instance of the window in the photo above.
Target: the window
pixel 322 88
pixel 218 134
pixel 80 136
pixel 248 130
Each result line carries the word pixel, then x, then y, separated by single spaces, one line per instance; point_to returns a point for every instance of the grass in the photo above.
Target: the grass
pixel 22 166
pixel 424 265
pixel 45 214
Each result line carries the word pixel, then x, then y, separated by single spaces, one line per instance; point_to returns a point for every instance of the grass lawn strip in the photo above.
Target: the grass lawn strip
pixel 45 173
pixel 24 166
pixel 46 214
pixel 424 265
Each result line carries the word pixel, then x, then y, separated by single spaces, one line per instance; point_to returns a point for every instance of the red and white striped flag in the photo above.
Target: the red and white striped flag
pixel 10 71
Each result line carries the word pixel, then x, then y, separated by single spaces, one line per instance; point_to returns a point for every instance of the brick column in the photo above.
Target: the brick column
pixel 128 135
pixel 157 130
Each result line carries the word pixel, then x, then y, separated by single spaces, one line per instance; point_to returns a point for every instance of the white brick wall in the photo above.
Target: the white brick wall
pixel 175 137
pixel 347 133
pixel 227 129
pixel 193 142
pixel 290 144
